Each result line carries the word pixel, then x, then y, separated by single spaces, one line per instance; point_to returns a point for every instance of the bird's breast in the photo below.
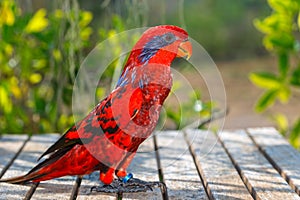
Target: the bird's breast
pixel 135 105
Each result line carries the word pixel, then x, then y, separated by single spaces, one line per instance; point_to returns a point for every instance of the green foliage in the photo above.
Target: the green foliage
pixel 39 55
pixel 280 31
pixel 224 28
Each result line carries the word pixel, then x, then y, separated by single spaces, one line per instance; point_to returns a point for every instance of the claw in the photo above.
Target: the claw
pixel 133 185
pixel 103 188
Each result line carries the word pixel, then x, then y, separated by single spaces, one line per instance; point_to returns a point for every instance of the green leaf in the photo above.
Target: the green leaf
pixel 282 41
pixel 35 78
pixel 283 61
pixel 274 24
pixel 282 122
pixel 266 100
pixel 295 134
pixel 5 101
pixel 283 6
pixel 67 95
pixel 284 94
pixel 295 79
pixel 261 26
pixel 265 80
pixel 298 20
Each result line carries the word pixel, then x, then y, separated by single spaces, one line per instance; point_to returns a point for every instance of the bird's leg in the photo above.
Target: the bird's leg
pixel 121 171
pixel 125 182
pixel 108 176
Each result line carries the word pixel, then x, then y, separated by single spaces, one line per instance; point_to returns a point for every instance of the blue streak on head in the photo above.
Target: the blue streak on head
pixel 149 50
pixel 154 45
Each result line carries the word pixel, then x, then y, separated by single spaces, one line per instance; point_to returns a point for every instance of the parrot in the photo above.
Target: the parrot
pixel 108 138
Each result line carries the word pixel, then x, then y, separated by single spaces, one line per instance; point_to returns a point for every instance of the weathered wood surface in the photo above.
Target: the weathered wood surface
pixel 178 168
pixel 10 146
pixel 279 153
pixel 262 180
pixel 144 166
pixel 241 164
pixel 219 174
pixel 87 183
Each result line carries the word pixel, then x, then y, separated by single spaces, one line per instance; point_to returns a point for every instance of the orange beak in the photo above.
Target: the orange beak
pixel 184 50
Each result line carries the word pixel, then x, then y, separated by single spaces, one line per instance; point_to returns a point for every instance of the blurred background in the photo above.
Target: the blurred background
pixel 254 44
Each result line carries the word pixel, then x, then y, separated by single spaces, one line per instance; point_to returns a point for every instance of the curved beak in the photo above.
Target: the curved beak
pixel 184 50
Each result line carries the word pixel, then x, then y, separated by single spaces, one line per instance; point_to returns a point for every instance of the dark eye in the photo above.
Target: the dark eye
pixel 169 37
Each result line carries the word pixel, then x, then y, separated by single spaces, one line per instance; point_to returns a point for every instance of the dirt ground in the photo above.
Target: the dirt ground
pixel 242 94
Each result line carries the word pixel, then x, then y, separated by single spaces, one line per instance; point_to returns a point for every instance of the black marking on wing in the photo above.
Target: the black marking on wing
pixel 62 143
pixel 66 143
pixel 105 106
pixel 54 157
pixel 111 130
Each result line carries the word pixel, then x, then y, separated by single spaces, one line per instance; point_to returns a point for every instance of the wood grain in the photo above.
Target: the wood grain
pixel 280 153
pixel 219 174
pixel 262 180
pixel 241 164
pixel 178 167
pixel 10 145
pixel 144 167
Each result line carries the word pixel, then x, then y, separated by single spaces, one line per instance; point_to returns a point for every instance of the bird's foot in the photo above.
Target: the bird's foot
pixel 130 186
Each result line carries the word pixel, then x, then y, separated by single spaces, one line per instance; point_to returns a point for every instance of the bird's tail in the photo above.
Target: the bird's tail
pixel 52 167
pixel 30 177
pixel 41 172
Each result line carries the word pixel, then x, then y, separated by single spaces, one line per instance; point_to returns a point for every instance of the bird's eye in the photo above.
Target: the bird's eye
pixel 169 37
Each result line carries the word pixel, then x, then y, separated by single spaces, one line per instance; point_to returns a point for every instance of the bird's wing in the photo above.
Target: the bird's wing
pixel 80 133
pixel 97 122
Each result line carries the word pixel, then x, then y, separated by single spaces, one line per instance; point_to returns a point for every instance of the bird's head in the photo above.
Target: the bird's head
pixel 157 47
pixel 161 44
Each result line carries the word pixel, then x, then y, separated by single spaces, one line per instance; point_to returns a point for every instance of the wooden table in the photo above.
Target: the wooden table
pixel 257 163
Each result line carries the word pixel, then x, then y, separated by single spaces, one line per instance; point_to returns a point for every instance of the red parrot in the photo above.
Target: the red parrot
pixel 109 136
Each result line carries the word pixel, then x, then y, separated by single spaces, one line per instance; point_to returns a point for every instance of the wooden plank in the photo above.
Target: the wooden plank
pixel 87 183
pixel 28 157
pixel 280 153
pixel 59 188
pixel 52 189
pixel 179 171
pixel 9 146
pixel 261 178
pixel 144 167
pixel 218 173
pixel 14 192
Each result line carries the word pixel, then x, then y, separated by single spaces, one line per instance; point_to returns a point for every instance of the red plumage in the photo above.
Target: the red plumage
pixel 109 136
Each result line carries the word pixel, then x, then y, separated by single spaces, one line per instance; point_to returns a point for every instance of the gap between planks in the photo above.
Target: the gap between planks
pixel 22 140
pixel 152 163
pixel 10 145
pixel 261 179
pixel 219 176
pixel 237 163
pixel 24 162
pixel 179 170
pixel 143 166
pixel 279 153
